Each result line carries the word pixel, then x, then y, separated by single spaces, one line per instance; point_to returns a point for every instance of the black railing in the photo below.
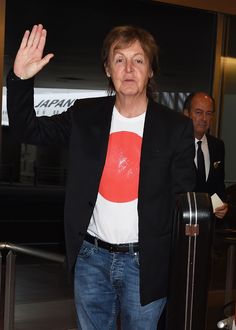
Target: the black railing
pixel 39 175
pixel 7 278
pixel 49 175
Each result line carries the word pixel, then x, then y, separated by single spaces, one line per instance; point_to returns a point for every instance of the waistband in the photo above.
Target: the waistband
pixel 127 247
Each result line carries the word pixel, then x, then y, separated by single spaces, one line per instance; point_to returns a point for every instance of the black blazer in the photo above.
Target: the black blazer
pixel 166 168
pixel 215 181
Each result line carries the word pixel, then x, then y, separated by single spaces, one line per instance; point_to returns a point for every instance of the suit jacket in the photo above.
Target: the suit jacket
pixel 215 181
pixel 166 169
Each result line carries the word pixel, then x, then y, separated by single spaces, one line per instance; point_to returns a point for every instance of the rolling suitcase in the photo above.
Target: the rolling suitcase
pixel 190 262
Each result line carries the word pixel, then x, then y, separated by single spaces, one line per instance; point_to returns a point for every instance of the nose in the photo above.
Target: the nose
pixel 204 116
pixel 129 66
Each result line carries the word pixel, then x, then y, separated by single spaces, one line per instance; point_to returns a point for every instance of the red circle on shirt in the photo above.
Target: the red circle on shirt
pixel 120 178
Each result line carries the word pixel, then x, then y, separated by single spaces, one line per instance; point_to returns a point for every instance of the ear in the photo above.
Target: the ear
pixel 107 70
pixel 150 74
pixel 186 113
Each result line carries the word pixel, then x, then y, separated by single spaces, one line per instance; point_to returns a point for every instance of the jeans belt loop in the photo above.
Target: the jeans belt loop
pixel 96 242
pixel 131 248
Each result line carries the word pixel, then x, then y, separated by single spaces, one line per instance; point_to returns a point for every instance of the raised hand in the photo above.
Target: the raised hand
pixel 29 58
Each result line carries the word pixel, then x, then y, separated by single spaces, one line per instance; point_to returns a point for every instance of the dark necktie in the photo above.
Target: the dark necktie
pixel 201 173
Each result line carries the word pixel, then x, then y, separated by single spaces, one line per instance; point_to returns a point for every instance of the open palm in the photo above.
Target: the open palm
pixel 29 58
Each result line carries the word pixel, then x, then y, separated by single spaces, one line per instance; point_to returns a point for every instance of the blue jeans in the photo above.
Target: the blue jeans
pixel 106 284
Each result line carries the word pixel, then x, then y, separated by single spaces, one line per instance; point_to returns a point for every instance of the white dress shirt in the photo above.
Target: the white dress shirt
pixel 205 152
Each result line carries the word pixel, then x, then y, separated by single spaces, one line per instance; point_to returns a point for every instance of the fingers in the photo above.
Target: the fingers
pixel 46 59
pixel 29 58
pixel 35 35
pixel 42 40
pixel 221 211
pixel 35 38
pixel 224 207
pixel 24 39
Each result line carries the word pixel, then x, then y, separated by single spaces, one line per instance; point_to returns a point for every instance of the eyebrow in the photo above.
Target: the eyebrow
pixel 119 51
pixel 203 110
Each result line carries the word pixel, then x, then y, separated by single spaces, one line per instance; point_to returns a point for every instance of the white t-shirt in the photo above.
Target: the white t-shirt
pixel 115 216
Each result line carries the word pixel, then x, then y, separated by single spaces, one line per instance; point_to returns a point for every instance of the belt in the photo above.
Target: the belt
pixel 127 247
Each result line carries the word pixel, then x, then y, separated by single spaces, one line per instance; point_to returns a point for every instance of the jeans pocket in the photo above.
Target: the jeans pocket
pixel 86 250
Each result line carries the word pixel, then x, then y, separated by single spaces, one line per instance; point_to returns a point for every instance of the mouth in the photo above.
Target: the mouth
pixel 129 81
pixel 202 124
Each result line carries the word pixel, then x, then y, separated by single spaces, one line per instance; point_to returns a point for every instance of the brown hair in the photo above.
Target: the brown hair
pixel 126 35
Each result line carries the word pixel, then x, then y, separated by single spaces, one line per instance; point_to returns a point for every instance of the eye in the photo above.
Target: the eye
pixel 139 60
pixel 209 113
pixel 118 59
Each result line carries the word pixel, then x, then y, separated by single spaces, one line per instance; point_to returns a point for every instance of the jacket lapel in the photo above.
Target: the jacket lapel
pixel 212 154
pixel 101 130
pixel 153 132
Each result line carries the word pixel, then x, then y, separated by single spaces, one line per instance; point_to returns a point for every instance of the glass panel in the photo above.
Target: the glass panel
pixel 228 120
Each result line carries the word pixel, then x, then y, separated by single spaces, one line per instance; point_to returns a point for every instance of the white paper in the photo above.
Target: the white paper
pixel 234 325
pixel 216 202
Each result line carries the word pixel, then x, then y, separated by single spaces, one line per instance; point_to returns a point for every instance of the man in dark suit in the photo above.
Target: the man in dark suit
pixel 199 106
pixel 128 158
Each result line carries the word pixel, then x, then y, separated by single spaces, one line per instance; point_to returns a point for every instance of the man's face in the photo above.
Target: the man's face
pixel 129 69
pixel 201 113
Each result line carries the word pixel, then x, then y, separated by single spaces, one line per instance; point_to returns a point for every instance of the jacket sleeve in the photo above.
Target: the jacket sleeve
pixel 183 167
pixel 25 125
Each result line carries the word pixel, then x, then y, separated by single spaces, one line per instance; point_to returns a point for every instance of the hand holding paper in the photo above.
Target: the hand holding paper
pixel 219 207
pixel 216 202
